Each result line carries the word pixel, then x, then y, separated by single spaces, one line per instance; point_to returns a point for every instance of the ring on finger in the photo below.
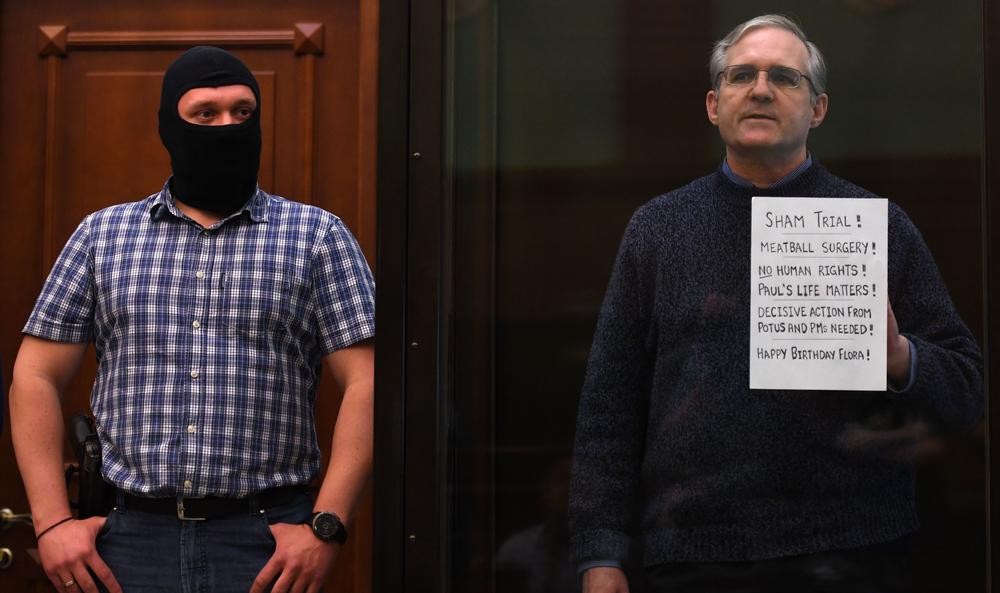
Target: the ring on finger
pixel 69 583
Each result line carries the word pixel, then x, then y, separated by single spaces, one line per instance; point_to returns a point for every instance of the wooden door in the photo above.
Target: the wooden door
pixel 78 132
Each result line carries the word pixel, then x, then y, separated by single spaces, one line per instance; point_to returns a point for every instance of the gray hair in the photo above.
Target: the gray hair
pixel 815 65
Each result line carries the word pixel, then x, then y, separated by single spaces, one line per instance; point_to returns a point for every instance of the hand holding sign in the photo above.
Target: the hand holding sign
pixel 897 351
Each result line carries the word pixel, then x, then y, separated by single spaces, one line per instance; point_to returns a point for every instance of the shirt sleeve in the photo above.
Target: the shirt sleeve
pixel 912 376
pixel 64 312
pixel 343 289
pixel 585 566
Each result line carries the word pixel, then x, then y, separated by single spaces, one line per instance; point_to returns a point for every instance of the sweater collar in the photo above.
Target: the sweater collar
pixel 804 184
pixel 744 182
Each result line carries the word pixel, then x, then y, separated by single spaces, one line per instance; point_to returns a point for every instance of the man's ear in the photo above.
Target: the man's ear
pixel 819 110
pixel 712 107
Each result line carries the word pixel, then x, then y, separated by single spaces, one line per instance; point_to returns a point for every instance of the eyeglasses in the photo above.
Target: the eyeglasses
pixel 746 74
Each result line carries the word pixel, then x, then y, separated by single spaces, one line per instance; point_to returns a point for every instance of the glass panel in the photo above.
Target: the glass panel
pixel 568 116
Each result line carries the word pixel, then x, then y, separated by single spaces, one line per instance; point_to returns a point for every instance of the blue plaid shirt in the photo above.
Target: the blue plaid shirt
pixel 209 341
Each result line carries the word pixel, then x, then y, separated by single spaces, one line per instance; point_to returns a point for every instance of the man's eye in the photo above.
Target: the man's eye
pixel 781 77
pixel 742 76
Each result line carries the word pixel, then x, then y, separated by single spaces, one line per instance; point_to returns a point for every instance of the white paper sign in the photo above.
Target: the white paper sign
pixel 818 293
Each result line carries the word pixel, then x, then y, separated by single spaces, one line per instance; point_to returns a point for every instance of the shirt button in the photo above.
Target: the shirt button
pixel 191 428
pixel 194 374
pixel 196 324
pixel 200 274
pixel 188 484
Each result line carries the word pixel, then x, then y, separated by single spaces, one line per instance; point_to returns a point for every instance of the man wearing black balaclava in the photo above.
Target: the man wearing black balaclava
pixel 215 161
pixel 212 306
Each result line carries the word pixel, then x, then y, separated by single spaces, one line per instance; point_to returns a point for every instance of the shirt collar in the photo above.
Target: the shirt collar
pixel 744 182
pixel 164 204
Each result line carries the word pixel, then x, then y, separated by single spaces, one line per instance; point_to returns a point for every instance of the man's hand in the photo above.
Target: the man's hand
pixel 67 552
pixel 604 579
pixel 300 562
pixel 897 353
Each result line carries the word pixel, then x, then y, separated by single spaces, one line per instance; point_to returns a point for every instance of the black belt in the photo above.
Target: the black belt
pixel 213 507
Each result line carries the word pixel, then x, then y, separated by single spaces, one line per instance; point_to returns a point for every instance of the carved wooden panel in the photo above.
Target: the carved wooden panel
pixel 115 155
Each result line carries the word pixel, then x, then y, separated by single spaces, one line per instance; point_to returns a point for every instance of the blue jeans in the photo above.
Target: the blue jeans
pixel 152 553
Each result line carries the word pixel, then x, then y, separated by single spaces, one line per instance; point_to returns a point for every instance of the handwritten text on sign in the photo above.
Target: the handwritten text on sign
pixel 818 293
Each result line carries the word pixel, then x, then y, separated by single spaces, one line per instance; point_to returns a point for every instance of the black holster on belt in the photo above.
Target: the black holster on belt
pixel 96 496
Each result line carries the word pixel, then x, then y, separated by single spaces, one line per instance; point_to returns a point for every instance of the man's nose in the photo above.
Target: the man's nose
pixel 225 118
pixel 761 86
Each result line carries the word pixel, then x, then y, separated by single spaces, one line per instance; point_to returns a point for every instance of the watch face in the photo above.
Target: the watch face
pixel 328 527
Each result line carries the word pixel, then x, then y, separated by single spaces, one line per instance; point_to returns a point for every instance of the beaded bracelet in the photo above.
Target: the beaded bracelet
pixel 51 527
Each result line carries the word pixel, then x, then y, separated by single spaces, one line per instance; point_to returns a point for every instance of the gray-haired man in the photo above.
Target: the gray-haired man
pixel 715 487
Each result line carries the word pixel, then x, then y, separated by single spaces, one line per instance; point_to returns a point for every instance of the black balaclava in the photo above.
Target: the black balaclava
pixel 215 167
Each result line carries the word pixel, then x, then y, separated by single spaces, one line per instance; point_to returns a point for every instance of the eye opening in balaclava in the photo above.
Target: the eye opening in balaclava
pixel 214 167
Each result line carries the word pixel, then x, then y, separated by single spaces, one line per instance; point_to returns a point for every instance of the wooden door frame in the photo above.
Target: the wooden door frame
pixel 390 304
pixel 411 349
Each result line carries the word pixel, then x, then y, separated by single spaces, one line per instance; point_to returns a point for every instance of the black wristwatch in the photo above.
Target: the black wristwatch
pixel 328 527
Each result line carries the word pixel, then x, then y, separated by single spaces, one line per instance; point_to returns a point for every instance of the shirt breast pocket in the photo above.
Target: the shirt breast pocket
pixel 262 303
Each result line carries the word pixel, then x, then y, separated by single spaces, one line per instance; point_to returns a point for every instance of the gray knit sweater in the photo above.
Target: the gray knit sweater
pixel 675 453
